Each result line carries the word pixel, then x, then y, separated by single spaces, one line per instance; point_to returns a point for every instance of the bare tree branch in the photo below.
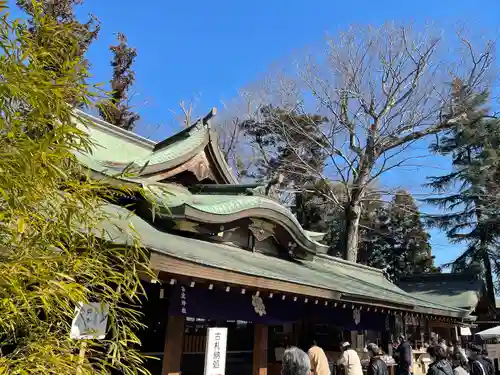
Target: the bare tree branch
pixel 381 90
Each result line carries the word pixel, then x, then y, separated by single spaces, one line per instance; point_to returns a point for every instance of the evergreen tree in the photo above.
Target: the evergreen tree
pixel 116 110
pixel 286 142
pixel 320 214
pixel 473 214
pixel 398 242
pixel 62 11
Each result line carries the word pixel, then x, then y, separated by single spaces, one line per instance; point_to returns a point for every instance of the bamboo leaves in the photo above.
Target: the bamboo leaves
pixel 50 257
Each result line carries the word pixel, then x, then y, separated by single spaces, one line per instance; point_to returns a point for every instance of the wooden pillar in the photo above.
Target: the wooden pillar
pixel 260 350
pixel 172 353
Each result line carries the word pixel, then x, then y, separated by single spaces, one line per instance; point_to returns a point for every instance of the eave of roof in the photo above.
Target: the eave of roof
pixel 323 272
pixel 160 156
pixel 176 202
pixel 460 290
pixel 179 202
pixel 116 131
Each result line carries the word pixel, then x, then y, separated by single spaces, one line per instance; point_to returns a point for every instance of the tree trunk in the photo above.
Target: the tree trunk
pixel 489 277
pixel 353 213
pixel 490 289
pixel 483 238
pixel 299 208
pixel 352 217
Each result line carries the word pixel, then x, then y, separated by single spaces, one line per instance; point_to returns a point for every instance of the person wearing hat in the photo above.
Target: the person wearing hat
pixel 349 360
pixel 478 364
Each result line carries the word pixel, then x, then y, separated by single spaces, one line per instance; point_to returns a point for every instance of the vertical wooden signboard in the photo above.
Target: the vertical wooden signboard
pixel 215 351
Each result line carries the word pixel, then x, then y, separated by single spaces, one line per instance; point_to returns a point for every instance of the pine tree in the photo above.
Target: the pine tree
pixel 397 241
pixel 286 142
pixel 473 146
pixel 116 110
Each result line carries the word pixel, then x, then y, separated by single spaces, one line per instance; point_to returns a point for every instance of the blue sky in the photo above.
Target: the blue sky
pixel 207 50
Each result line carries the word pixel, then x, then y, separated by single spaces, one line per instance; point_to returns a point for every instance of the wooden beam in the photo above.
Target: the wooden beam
pixel 172 353
pixel 176 266
pixel 260 350
pixel 179 267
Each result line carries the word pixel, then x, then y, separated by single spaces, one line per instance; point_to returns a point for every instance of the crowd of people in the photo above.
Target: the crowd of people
pixel 445 360
pixel 453 360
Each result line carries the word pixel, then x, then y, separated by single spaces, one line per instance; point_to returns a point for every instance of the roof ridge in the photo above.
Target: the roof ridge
pixel 351 264
pixel 399 290
pixel 115 130
pixel 437 275
pixel 203 121
pixel 181 133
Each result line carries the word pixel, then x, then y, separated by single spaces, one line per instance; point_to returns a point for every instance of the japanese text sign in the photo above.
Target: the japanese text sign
pixel 215 353
pixel 183 300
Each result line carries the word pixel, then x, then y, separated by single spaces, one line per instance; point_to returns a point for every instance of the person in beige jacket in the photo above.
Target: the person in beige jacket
pixel 319 362
pixel 349 360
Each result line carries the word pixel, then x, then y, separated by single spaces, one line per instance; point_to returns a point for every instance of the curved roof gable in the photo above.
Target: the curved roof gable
pixel 219 209
pixel 117 150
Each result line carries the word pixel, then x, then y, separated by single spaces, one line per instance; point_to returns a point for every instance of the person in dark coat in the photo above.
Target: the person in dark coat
pixel 403 356
pixel 484 353
pixel 479 365
pixel 440 364
pixel 377 365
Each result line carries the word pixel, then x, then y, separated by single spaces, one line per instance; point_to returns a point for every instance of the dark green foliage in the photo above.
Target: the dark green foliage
pixel 397 241
pixel 392 235
pixel 472 215
pixel 286 142
pixel 321 214
pixel 317 213
pixel 116 110
pixel 62 11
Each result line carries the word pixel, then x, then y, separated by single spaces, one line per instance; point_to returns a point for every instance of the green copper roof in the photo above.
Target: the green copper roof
pixel 177 153
pixel 329 273
pixel 113 148
pixel 226 208
pixel 462 290
pixel 116 149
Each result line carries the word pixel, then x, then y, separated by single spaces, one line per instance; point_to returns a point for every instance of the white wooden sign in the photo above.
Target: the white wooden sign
pixel 215 352
pixel 465 331
pixel 90 321
pixel 493 350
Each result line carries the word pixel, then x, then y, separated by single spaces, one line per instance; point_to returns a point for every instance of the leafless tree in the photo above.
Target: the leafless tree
pixel 382 90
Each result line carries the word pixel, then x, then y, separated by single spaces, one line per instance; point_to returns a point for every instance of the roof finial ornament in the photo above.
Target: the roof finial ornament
pixel 208 117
